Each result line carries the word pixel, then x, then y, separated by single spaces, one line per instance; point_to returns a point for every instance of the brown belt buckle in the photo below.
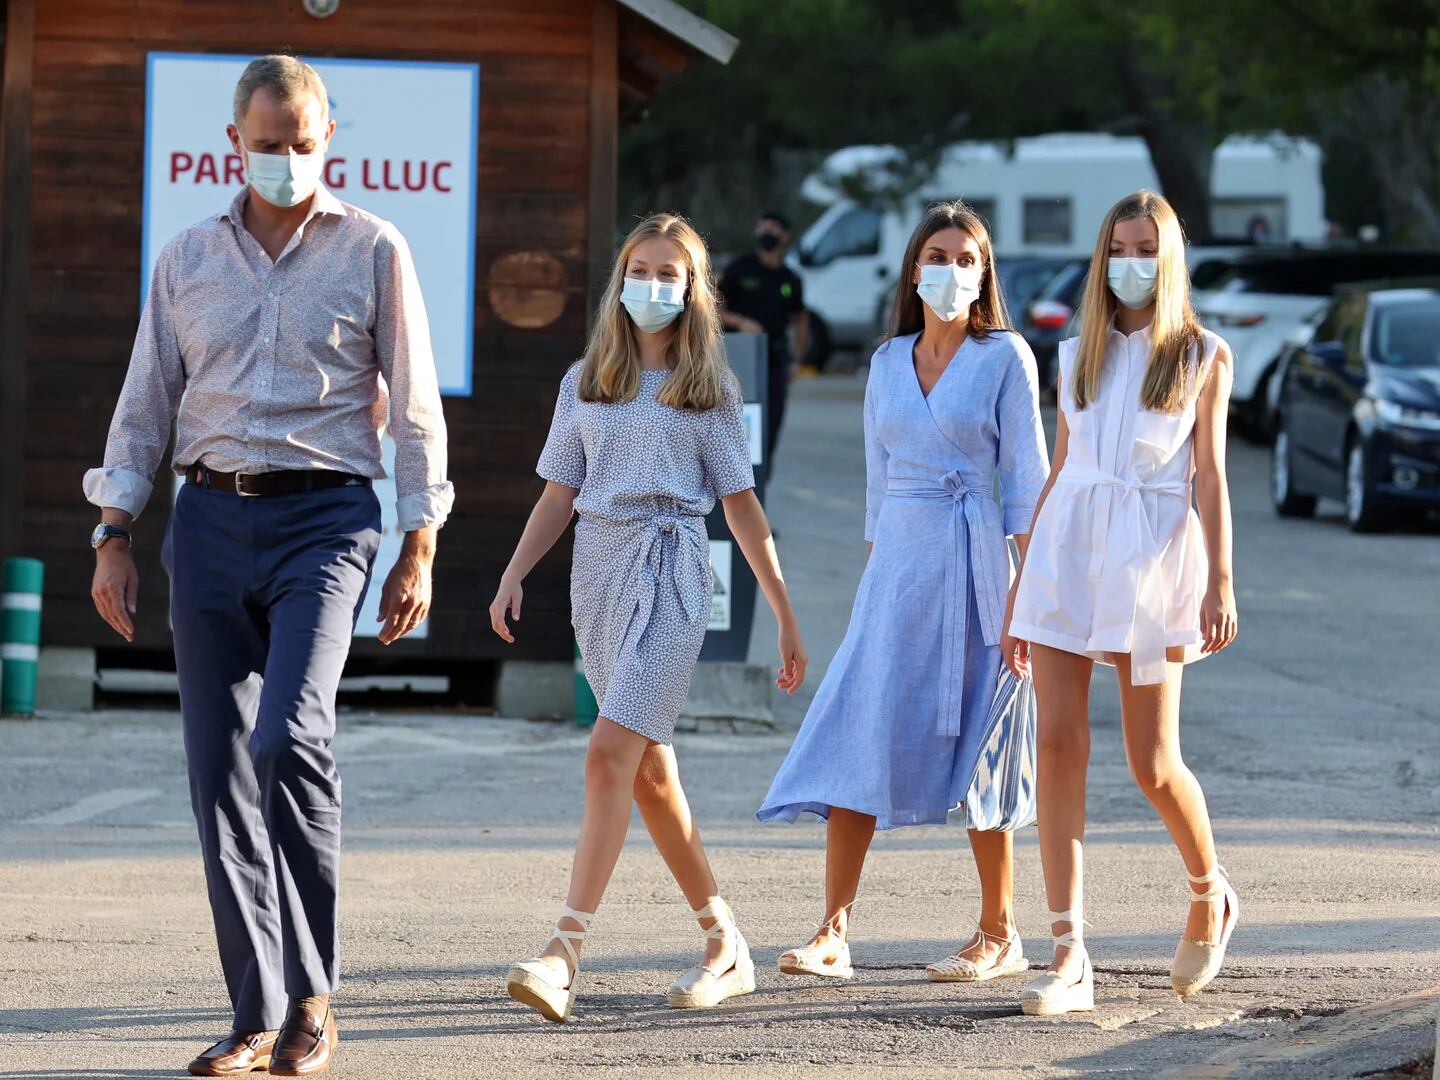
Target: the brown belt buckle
pixel 240 478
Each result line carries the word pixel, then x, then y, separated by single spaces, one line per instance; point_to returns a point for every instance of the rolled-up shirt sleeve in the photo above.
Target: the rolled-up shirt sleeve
pixel 402 344
pixel 154 383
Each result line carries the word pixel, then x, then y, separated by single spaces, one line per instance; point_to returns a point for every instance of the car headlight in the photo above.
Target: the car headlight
pixel 1392 412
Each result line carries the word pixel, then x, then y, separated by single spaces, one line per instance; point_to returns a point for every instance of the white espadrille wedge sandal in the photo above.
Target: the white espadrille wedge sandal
pixel 810 959
pixel 957 967
pixel 1051 994
pixel 1198 962
pixel 544 987
pixel 704 987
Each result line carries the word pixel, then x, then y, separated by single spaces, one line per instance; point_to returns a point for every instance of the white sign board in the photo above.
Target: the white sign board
pixel 754 431
pixel 404 149
pixel 721 578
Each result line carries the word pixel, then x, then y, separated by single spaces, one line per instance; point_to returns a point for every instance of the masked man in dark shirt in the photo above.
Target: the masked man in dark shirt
pixel 764 296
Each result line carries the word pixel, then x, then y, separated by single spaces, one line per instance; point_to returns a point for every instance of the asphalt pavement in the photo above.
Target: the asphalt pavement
pixel 1315 737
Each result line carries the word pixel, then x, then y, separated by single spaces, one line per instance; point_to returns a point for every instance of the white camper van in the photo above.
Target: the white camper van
pixel 1042 196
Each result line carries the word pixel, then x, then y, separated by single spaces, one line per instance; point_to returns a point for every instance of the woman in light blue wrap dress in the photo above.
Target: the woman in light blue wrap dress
pixel 896 726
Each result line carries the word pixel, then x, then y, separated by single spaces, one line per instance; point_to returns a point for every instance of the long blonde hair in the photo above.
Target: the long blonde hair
pixel 696 353
pixel 1175 334
pixel 987 313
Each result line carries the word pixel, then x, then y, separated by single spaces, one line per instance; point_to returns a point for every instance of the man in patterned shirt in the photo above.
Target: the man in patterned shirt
pixel 278 335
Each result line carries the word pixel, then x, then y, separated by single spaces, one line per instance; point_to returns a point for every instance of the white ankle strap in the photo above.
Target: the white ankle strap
pixel 829 923
pixel 1014 936
pixel 1215 874
pixel 584 918
pixel 1071 939
pixel 718 910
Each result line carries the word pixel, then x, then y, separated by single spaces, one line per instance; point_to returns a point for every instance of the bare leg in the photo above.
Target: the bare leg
pixel 995 862
pixel 847 841
pixel 1062 694
pixel 610 767
pixel 666 813
pixel 1151 719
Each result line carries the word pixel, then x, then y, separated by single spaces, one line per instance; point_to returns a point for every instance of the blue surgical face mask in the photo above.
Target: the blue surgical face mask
pixel 653 305
pixel 283 179
pixel 948 289
pixel 1132 281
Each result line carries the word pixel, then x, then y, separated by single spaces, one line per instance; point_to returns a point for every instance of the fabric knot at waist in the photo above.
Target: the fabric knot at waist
pixel 981 556
pixel 1123 497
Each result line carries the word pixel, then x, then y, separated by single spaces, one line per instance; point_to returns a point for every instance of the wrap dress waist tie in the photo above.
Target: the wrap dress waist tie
pixel 974 512
pixel 664 542
pixel 1147 644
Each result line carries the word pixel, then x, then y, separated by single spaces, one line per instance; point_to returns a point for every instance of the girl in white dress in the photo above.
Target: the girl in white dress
pixel 1121 569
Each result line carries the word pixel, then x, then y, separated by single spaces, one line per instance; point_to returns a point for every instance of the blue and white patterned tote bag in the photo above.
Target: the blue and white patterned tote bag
pixel 1001 795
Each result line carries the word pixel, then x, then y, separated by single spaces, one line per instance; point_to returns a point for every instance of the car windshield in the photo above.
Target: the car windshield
pixel 1407 333
pixel 1311 276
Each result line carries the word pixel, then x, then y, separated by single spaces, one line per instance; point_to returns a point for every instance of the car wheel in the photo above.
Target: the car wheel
pixel 1287 501
pixel 1362 512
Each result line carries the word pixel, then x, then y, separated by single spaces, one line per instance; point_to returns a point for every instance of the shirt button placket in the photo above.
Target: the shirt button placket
pixel 272 331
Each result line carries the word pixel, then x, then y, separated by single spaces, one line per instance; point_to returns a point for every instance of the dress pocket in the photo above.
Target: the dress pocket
pixel 1158 435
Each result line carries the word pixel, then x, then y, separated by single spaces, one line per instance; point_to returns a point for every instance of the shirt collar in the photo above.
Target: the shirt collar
pixel 325 202
pixel 1115 331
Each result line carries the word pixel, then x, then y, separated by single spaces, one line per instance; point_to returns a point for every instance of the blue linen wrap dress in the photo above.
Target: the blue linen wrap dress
pixel 640 580
pixel 896 726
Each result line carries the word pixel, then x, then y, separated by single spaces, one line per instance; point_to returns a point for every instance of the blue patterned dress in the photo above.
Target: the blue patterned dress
pixel 896 725
pixel 640 582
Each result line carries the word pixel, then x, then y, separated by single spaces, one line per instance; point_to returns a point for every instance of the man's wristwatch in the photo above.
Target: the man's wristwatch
pixel 104 532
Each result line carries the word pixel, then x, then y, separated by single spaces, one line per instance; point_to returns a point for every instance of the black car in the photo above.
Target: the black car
pixel 1360 408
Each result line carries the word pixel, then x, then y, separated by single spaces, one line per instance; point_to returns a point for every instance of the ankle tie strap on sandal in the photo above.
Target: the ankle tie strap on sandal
pixel 1218 881
pixel 565 937
pixel 1073 938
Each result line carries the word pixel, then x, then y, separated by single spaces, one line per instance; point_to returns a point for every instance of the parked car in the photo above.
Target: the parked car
pixel 1022 278
pixel 1360 408
pixel 1264 298
pixel 1048 318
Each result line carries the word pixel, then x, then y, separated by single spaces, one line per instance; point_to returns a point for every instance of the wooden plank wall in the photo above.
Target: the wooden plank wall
pixel 19 29
pixel 535 171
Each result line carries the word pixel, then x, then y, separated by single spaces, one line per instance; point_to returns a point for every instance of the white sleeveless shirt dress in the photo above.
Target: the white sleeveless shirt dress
pixel 1117 560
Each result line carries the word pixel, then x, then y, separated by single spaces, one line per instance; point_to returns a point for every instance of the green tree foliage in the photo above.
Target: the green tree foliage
pixel 810 76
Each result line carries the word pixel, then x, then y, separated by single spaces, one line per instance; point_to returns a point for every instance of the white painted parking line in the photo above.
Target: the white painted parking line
pixel 102 802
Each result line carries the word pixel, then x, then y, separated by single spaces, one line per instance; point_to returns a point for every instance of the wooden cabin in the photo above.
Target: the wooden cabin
pixel 556 78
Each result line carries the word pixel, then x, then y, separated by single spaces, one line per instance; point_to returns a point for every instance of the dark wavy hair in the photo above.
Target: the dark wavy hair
pixel 907 314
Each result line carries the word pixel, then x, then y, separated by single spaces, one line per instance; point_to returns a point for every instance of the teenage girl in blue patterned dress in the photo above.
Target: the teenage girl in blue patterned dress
pixel 648 433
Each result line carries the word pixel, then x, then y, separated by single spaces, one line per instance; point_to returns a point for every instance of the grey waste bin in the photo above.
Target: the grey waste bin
pixel 733 608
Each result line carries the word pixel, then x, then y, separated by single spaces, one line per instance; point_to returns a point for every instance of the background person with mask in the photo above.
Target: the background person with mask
pixel 762 295
pixel 267 329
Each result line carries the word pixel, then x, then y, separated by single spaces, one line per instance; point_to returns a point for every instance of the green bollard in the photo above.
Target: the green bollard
pixel 587 709
pixel 24 581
